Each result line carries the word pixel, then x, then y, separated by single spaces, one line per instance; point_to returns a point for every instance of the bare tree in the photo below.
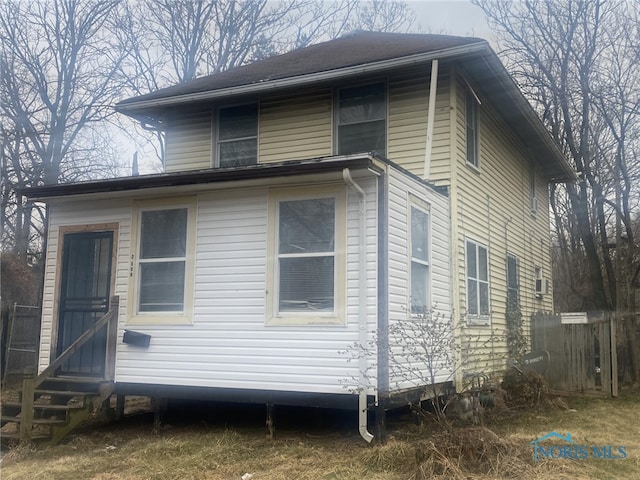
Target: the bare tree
pixel 59 75
pixel 576 61
pixel 174 41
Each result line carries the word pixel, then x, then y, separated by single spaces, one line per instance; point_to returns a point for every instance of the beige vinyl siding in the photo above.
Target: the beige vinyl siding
pixel 407 128
pixel 188 141
pixel 493 209
pixel 296 126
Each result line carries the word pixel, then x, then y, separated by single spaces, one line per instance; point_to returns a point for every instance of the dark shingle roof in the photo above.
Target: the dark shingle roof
pixel 351 50
pixel 369 51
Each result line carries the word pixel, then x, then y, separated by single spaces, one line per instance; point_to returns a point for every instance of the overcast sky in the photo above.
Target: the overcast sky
pixel 450 17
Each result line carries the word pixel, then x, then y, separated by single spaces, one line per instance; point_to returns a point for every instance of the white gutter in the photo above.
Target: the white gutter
pixel 362 310
pixel 431 118
pixel 299 80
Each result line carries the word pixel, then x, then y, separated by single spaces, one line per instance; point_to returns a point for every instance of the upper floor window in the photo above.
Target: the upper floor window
pixel 477 282
pixel 419 261
pixel 361 119
pixel 237 136
pixel 471 122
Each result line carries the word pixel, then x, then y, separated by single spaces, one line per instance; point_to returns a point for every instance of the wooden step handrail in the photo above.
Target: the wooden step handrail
pixel 30 382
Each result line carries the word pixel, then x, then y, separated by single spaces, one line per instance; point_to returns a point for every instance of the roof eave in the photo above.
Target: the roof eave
pixel 138 107
pixel 200 177
pixel 565 172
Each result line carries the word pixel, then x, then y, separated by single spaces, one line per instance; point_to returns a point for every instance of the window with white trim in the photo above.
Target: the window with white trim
pixel 419 261
pixel 471 124
pixel 237 140
pixel 306 279
pixel 513 282
pixel 477 282
pixel 362 119
pixel 306 255
pixel 162 261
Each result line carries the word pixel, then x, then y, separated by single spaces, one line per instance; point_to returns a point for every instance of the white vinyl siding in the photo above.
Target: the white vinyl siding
pixel 229 344
pixel 399 271
pixel 81 214
pixel 188 141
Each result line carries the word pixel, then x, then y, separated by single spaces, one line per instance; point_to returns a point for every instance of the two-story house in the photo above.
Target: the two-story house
pixel 310 202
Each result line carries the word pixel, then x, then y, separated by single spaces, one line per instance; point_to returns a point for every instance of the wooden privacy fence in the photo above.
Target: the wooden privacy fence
pixel 582 355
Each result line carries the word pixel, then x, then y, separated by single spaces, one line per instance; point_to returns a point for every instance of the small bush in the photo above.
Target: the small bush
pixel 527 389
pixel 460 453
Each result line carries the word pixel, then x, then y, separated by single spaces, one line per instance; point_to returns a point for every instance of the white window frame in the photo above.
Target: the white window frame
pixel 517 272
pixel 338 124
pixel 540 285
pixel 185 316
pixel 218 142
pixel 337 316
pixel 479 318
pixel 472 121
pixel 414 204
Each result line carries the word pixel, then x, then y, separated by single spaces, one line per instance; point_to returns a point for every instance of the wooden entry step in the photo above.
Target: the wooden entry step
pixel 56 410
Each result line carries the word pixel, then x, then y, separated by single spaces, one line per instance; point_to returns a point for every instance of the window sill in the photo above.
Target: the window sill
pixel 479 320
pixel 474 168
pixel 160 320
pixel 300 320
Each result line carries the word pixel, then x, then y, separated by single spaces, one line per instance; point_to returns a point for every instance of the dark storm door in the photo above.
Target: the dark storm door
pixel 84 299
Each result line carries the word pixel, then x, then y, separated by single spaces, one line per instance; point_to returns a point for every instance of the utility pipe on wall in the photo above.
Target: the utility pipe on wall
pixel 362 311
pixel 431 116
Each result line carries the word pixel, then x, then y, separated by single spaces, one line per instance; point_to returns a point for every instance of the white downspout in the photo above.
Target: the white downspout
pixel 362 310
pixel 431 117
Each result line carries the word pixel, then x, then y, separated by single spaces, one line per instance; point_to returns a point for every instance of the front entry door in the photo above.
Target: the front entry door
pixel 84 299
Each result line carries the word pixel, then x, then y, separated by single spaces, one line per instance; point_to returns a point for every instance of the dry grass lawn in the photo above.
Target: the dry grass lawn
pixel 227 443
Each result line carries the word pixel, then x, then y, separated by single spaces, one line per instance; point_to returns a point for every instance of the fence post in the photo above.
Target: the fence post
pixel 614 354
pixel 26 412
